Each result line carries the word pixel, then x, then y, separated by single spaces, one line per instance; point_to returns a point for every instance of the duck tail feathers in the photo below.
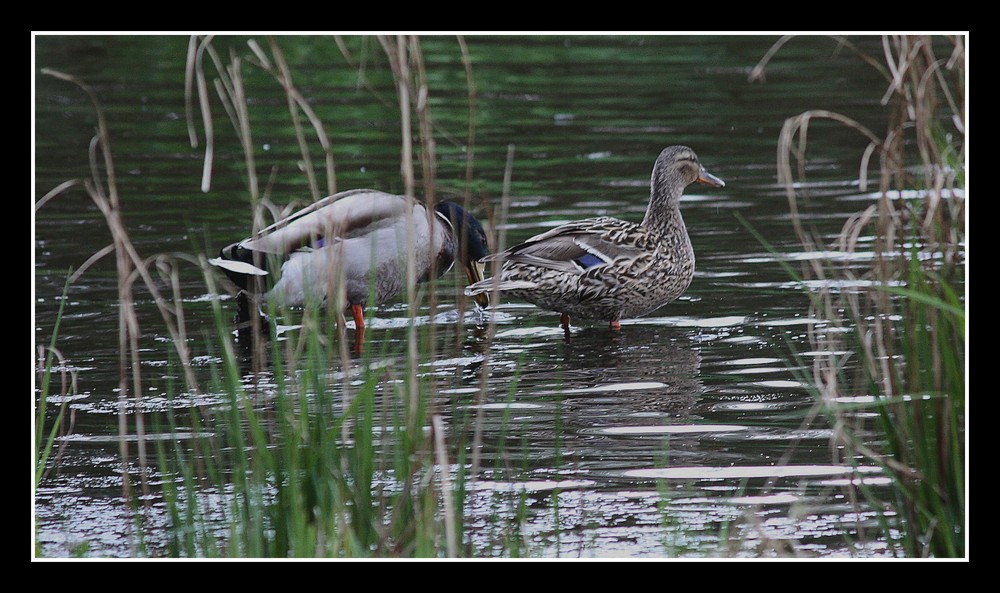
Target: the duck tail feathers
pixel 237 267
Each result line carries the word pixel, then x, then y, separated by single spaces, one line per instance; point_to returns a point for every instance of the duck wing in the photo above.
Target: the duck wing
pixel 345 215
pixel 577 246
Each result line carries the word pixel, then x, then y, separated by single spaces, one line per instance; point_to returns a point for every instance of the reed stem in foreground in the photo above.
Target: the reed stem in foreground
pixel 904 317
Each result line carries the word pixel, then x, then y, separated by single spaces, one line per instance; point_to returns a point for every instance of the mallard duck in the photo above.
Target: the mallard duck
pixel 604 268
pixel 336 243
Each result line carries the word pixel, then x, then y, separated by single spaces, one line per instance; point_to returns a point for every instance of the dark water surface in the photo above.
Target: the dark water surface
pixel 685 429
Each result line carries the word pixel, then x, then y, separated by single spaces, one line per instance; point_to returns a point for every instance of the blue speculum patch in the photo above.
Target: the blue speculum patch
pixel 589 261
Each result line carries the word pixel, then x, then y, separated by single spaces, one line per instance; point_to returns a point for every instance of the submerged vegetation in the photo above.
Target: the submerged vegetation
pixel 309 451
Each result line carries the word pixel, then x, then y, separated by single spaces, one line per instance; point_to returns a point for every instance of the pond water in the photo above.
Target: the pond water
pixel 689 427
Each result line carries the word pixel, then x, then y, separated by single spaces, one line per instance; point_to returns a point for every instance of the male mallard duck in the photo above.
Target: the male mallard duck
pixel 337 242
pixel 605 268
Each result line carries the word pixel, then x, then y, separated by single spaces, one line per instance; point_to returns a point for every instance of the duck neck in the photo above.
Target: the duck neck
pixel 663 219
pixel 663 212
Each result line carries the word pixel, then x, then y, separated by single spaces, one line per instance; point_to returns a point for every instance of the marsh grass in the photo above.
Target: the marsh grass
pixel 293 486
pixel 49 358
pixel 892 354
pixel 313 452
pixel 336 479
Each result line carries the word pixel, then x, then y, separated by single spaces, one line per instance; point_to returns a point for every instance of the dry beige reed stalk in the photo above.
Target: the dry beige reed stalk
pixel 500 227
pixel 67 385
pixel 296 101
pixel 441 458
pixel 103 191
pixel 913 153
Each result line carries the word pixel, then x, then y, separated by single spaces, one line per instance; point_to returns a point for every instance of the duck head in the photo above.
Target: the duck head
pixel 472 243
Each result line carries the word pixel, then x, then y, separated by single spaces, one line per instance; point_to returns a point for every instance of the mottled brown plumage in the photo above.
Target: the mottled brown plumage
pixel 605 268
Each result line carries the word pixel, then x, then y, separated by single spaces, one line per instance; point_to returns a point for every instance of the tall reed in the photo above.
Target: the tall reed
pixel 315 452
pixel 131 267
pixel 896 333
pixel 45 437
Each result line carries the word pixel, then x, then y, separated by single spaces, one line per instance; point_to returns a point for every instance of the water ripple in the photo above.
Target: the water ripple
pixel 743 472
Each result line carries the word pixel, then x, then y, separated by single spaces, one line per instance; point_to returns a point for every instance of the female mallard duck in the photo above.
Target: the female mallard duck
pixel 353 244
pixel 605 268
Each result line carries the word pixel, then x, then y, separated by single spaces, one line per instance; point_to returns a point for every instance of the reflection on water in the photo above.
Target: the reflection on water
pixel 654 441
